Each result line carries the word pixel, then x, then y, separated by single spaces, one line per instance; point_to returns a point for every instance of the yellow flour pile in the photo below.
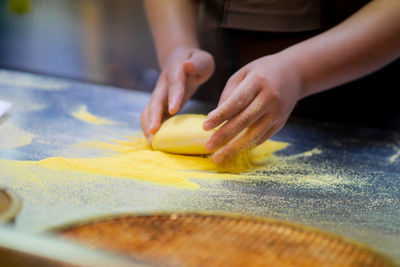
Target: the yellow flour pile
pixel 133 158
pixel 82 113
pixel 12 136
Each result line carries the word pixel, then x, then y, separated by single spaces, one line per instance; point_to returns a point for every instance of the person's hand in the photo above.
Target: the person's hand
pixel 184 71
pixel 258 99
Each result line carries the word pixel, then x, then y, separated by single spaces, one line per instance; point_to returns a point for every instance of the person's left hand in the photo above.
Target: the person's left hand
pixel 259 97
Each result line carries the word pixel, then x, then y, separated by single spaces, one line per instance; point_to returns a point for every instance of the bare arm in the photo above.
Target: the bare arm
pixel 365 42
pixel 261 95
pixel 173 25
pixel 184 67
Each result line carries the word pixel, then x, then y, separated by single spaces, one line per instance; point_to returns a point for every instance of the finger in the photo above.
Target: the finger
pixel 247 117
pixel 176 88
pixel 157 106
pixel 243 95
pixel 230 86
pixel 193 75
pixel 267 135
pixel 246 141
pixel 145 122
pixel 190 90
pixel 199 64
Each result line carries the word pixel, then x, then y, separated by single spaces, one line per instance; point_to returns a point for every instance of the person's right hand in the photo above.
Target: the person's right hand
pixel 184 71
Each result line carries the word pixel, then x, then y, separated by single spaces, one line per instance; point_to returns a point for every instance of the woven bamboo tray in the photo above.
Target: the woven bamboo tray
pixel 9 206
pixel 219 240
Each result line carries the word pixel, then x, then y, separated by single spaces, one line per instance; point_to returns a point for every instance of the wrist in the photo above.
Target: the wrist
pixel 291 73
pixel 173 52
pixel 297 70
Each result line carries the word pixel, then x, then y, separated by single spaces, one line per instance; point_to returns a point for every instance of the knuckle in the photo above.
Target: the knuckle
pixel 260 78
pixel 271 98
pixel 276 96
pixel 257 107
pixel 238 101
pixel 221 136
pixel 219 116
pixel 244 121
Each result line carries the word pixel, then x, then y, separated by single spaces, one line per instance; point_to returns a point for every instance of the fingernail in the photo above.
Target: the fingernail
pixel 152 129
pixel 207 125
pixel 171 108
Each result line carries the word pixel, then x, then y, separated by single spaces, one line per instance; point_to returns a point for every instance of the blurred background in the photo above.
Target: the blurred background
pixel 105 42
pixel 109 42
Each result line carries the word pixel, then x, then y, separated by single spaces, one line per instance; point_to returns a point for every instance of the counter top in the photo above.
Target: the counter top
pixel 339 179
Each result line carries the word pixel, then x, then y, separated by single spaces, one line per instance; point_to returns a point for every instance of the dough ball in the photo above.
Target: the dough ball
pixel 182 134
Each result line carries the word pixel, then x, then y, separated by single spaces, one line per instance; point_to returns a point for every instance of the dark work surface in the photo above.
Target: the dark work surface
pixel 339 179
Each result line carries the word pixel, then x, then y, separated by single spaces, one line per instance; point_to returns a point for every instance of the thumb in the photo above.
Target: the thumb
pixel 190 68
pixel 199 64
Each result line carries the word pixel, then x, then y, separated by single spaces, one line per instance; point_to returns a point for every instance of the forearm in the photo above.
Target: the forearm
pixel 360 45
pixel 173 25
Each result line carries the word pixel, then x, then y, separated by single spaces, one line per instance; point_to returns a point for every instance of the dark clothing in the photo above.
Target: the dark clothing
pixel 272 15
pixel 371 101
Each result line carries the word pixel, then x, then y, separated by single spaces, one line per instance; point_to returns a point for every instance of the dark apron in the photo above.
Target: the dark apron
pixel 371 101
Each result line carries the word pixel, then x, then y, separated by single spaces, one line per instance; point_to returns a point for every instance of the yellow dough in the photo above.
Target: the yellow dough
pixel 183 134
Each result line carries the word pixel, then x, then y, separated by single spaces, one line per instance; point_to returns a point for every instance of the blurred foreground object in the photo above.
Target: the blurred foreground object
pixel 10 204
pixel 4 107
pixel 21 249
pixel 191 239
